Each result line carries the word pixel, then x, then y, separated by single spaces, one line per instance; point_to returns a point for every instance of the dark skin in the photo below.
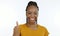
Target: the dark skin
pixel 31 14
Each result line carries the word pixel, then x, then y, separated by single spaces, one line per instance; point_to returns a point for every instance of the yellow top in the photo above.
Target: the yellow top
pixel 26 31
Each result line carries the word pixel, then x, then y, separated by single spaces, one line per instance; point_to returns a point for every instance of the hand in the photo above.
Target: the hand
pixel 16 29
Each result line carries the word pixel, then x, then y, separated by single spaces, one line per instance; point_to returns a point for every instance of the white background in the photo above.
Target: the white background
pixel 14 10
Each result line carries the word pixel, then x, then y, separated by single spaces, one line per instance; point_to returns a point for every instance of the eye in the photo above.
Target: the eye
pixel 29 13
pixel 35 13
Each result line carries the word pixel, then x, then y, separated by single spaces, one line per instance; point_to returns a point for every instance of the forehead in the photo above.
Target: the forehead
pixel 32 8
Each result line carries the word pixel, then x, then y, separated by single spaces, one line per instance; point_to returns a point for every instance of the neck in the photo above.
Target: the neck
pixel 32 25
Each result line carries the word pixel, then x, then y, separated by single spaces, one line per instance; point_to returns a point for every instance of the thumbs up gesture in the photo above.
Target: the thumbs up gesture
pixel 16 30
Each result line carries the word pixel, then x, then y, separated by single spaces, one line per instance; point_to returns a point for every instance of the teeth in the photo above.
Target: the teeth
pixel 32 18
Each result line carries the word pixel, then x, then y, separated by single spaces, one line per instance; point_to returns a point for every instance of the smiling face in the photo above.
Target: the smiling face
pixel 32 14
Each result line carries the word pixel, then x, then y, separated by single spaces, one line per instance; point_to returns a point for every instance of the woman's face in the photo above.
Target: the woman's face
pixel 32 14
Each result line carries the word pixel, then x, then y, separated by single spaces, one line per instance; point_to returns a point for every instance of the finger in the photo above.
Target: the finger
pixel 17 23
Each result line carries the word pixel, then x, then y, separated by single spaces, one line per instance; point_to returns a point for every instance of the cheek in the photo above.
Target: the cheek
pixel 36 16
pixel 27 15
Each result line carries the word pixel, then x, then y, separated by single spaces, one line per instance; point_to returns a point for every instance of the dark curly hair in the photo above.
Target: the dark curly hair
pixel 32 3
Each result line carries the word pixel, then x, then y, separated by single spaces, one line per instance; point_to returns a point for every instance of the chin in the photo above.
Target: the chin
pixel 32 21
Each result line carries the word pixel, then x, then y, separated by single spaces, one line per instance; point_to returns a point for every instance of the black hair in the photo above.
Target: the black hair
pixel 32 3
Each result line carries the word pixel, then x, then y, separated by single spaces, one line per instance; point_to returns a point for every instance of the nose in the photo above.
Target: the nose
pixel 32 15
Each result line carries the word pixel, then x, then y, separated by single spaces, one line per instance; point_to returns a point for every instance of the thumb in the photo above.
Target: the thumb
pixel 17 23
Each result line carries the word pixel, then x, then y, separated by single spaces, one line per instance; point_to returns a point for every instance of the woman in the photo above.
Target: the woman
pixel 30 28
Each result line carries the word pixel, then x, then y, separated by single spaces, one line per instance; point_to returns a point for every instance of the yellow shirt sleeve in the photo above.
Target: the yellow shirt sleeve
pixel 46 32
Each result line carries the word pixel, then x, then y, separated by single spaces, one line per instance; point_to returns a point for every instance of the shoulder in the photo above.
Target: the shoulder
pixel 43 28
pixel 22 25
